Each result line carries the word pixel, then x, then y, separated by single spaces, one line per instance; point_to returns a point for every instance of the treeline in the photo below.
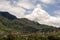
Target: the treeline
pixel 33 36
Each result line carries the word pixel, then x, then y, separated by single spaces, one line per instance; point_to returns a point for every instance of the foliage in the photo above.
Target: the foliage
pixel 15 36
pixel 12 28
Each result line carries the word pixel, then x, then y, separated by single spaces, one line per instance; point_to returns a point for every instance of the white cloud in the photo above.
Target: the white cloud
pixel 37 13
pixel 42 17
pixel 17 11
pixel 57 12
pixel 26 4
pixel 48 1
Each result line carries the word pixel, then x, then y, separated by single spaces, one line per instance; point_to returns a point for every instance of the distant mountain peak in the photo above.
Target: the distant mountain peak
pixel 7 15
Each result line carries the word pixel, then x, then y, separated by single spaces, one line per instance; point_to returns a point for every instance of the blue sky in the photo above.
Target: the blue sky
pixel 32 10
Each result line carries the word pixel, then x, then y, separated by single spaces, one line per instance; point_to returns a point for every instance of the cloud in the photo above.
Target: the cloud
pixel 25 5
pixel 48 1
pixel 15 7
pixel 15 10
pixel 37 12
pixel 41 16
pixel 57 12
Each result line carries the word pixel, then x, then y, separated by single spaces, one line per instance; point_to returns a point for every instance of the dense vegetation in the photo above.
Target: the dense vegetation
pixel 33 36
pixel 12 28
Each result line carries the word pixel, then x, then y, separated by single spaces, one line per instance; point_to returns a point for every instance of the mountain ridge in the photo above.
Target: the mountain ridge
pixel 7 15
pixel 23 25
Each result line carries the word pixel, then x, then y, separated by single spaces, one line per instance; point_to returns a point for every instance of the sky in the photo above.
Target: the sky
pixel 42 11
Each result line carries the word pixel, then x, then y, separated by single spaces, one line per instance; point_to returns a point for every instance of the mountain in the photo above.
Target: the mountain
pixel 7 15
pixel 9 23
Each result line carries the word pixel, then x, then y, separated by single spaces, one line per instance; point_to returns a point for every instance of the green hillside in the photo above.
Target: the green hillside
pixel 10 24
pixel 22 24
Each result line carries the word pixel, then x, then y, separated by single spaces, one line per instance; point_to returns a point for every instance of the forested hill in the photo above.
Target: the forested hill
pixel 9 23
